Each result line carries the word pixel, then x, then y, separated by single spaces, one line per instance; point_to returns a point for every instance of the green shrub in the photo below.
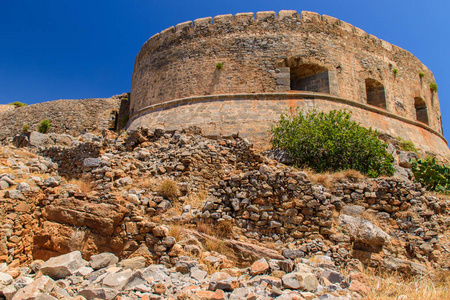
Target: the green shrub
pixel 219 66
pixel 44 126
pixel 434 176
pixel 331 142
pixel 433 87
pixel 421 74
pixel 25 128
pixel 406 145
pixel 18 104
pixel 395 71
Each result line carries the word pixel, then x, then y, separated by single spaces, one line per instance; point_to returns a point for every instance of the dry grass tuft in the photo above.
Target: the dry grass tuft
pixel 328 180
pixel 387 286
pixel 169 189
pixel 149 183
pixel 176 231
pixel 84 186
pixel 222 229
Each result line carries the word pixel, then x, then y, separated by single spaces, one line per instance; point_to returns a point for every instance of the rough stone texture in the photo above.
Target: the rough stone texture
pixel 363 231
pixel 266 54
pixel 41 286
pixel 67 116
pixel 64 265
pixel 102 260
pixel 251 116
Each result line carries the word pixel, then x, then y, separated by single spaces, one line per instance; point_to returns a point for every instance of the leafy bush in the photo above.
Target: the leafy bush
pixel 434 176
pixel 421 74
pixel 25 128
pixel 331 142
pixel 433 87
pixel 406 145
pixel 219 66
pixel 18 104
pixel 395 71
pixel 44 126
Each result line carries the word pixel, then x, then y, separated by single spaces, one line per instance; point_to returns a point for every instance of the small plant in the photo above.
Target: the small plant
pixel 434 176
pixel 44 126
pixel 433 87
pixel 219 66
pixel 25 128
pixel 331 142
pixel 18 104
pixel 395 71
pixel 124 120
pixel 406 145
pixel 169 189
pixel 421 74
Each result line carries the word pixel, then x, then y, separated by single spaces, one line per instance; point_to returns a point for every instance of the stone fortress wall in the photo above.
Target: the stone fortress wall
pixel 275 61
pixel 66 116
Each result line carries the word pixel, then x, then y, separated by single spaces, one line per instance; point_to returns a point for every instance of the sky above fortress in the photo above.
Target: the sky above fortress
pixel 62 49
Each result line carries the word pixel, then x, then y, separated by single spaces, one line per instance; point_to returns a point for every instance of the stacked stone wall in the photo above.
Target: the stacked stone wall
pixel 67 116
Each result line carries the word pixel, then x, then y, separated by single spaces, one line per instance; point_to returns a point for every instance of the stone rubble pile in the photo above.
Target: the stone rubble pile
pixel 69 276
pixel 99 195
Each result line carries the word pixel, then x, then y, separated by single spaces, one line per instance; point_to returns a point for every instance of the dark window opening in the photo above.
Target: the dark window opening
pixel 375 93
pixel 311 78
pixel 421 110
pixel 112 121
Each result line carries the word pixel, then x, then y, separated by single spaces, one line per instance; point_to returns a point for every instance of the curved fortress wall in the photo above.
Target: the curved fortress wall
pixel 286 59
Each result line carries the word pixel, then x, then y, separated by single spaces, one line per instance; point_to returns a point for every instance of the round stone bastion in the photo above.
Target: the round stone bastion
pixel 238 74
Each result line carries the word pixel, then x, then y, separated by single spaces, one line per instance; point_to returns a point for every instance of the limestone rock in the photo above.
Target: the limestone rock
pixel 103 260
pixel 38 139
pixel 64 265
pixel 299 280
pixel 41 286
pixel 259 267
pixel 133 263
pixel 98 293
pixel 364 231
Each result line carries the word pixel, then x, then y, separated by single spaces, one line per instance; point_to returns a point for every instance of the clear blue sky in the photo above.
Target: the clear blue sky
pixel 63 49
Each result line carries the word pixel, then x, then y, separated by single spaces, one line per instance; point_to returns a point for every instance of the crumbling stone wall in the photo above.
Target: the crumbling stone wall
pixel 260 54
pixel 67 116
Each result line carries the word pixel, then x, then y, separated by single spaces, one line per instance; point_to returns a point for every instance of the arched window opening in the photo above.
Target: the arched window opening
pixel 310 77
pixel 421 110
pixel 375 93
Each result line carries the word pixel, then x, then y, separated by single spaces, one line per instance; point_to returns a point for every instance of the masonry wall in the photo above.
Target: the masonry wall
pixel 251 115
pixel 67 116
pixel 257 52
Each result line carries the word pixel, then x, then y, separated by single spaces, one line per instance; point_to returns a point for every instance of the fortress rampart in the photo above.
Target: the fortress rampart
pixel 285 60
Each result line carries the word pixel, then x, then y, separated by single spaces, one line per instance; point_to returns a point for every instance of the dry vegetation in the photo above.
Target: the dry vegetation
pixel 328 180
pixel 84 186
pixel 387 286
pixel 169 189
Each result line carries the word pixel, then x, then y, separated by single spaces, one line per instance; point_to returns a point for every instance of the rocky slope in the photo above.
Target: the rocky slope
pixel 193 217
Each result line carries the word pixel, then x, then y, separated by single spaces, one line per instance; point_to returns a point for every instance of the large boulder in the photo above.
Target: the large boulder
pixel 364 231
pixel 41 286
pixel 102 260
pixel 300 281
pixel 64 265
pixel 102 218
pixel 40 140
